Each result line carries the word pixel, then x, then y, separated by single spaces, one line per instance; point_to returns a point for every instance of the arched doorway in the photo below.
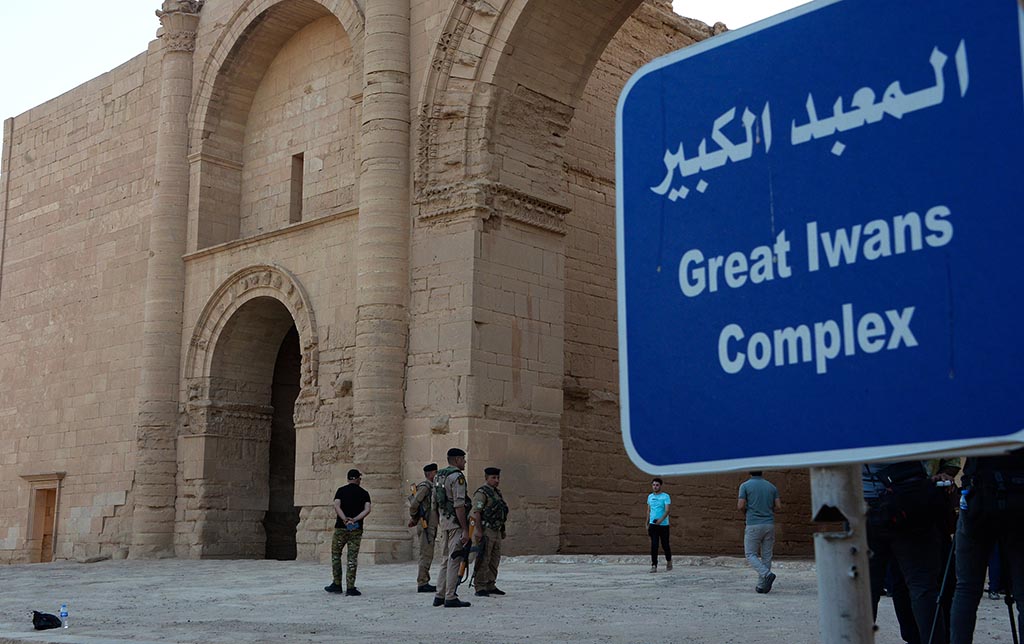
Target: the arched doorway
pixel 250 370
pixel 282 516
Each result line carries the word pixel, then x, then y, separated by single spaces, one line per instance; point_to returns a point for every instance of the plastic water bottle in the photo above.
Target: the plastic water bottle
pixel 963 499
pixel 64 615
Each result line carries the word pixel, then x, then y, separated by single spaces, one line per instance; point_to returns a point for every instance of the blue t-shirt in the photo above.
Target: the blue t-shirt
pixel 658 503
pixel 760 496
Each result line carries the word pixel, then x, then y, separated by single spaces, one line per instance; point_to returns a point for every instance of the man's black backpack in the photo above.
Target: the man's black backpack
pixel 999 496
pixel 43 621
pixel 910 500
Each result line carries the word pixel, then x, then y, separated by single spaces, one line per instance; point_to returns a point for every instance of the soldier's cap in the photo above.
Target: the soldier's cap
pixel 354 474
pixel 430 468
pixel 492 471
pixel 455 451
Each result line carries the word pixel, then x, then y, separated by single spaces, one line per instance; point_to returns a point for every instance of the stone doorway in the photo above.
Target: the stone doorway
pixel 238 449
pixel 282 516
pixel 44 512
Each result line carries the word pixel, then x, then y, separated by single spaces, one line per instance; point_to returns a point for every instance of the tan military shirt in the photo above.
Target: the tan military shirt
pixel 424 495
pixel 455 489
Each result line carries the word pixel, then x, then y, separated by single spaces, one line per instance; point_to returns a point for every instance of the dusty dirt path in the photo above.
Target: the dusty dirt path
pixel 550 599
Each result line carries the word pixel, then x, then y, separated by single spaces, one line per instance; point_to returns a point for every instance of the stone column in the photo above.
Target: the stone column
pixel 382 326
pixel 5 177
pixel 157 393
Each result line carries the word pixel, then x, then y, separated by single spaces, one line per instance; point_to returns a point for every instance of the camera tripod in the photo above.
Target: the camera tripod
pixel 1008 597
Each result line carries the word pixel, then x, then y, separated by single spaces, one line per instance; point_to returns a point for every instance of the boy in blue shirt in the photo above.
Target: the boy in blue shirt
pixel 658 504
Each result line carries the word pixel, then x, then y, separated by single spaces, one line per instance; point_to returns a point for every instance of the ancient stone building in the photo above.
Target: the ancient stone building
pixel 297 236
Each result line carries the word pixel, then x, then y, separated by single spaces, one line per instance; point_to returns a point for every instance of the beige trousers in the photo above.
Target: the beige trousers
pixel 448 575
pixel 426 536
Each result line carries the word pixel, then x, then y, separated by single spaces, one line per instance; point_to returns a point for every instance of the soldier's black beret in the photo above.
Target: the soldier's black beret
pixel 492 471
pixel 430 468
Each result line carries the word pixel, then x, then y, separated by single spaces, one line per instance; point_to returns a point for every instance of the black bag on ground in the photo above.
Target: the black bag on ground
pixel 43 621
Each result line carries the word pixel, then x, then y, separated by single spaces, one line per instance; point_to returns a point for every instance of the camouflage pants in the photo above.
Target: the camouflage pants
pixel 351 538
pixel 487 561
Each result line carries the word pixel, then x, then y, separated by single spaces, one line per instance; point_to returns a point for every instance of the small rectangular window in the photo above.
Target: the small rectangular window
pixel 295 189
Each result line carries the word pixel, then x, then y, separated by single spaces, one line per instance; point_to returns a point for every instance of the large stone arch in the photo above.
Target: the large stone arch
pixel 493 176
pixel 507 72
pixel 489 167
pixel 225 437
pixel 227 83
pixel 259 280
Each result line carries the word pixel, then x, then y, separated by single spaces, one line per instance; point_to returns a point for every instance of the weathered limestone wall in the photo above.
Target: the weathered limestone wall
pixel 79 172
pixel 294 259
pixel 301 108
pixel 319 256
pixel 596 468
pixel 486 319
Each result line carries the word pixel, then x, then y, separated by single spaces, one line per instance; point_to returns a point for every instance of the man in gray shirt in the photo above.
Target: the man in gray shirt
pixel 759 499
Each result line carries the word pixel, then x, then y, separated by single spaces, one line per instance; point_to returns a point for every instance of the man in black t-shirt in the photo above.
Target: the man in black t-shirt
pixel 351 504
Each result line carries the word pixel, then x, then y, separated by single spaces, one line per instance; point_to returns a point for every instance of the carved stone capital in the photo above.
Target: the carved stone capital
pixel 180 41
pixel 179 19
pixel 180 6
pixel 529 210
pixel 484 199
pixel 444 203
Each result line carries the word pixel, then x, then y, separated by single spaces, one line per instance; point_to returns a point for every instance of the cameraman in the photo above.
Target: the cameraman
pixel 994 515
pixel 903 505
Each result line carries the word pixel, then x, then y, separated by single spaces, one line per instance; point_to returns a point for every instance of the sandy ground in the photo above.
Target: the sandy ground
pixel 550 599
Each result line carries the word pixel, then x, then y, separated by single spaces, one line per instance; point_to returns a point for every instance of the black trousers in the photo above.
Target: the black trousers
pixel 659 533
pixel 918 554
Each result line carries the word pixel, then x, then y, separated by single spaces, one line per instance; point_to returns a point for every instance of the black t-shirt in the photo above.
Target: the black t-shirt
pixel 353 500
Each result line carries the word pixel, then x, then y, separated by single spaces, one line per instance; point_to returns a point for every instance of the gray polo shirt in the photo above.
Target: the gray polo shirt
pixel 760 496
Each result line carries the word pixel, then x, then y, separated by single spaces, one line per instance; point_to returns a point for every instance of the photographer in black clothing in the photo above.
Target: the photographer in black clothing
pixel 994 515
pixel 902 526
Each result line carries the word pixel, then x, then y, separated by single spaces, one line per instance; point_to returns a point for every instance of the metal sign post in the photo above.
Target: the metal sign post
pixel 844 595
pixel 819 247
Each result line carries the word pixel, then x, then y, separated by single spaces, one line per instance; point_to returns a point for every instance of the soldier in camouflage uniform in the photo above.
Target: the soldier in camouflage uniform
pixel 490 512
pixel 423 515
pixel 452 503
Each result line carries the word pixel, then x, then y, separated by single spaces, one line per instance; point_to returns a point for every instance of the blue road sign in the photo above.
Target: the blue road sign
pixel 820 238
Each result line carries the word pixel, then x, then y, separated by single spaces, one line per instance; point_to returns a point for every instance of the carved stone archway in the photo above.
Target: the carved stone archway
pixel 260 280
pixel 227 84
pixel 225 437
pixel 490 80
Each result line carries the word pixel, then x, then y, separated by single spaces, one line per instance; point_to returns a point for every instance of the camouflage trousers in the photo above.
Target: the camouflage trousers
pixel 486 570
pixel 351 538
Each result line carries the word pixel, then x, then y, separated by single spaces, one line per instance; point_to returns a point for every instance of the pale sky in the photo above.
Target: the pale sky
pixel 48 47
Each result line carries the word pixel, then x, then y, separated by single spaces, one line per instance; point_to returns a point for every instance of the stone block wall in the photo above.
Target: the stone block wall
pixel 512 309
pixel 78 177
pixel 596 469
pixel 319 256
pixel 302 107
